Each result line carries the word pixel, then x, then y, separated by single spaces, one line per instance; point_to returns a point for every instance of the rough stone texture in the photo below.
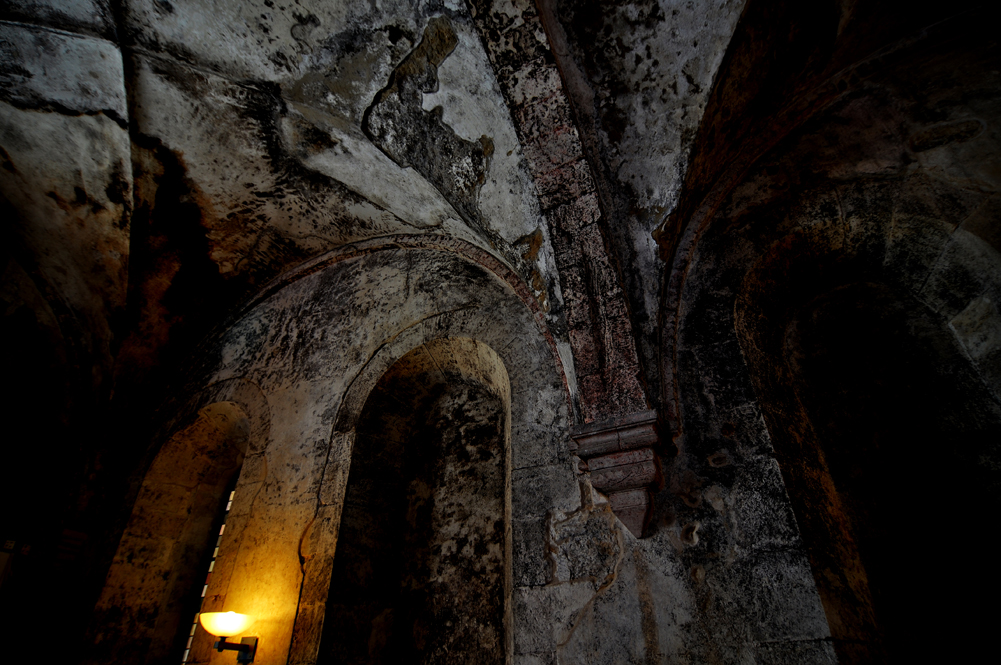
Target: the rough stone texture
pixel 298 381
pixel 835 291
pixel 606 365
pixel 152 590
pixel 638 76
pixel 419 569
pixel 194 215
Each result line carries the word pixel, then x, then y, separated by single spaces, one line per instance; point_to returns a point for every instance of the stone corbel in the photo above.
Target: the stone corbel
pixel 620 456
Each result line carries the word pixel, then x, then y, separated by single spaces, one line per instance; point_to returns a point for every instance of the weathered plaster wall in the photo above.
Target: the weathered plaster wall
pixel 280 130
pixel 582 587
pixel 367 180
pixel 357 306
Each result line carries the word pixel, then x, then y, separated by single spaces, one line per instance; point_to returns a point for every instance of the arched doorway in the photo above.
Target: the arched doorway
pixel 421 570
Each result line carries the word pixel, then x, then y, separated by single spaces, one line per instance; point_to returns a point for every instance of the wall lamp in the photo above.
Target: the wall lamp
pixel 228 624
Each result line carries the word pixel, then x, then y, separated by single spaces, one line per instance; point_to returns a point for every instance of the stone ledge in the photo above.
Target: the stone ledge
pixel 619 455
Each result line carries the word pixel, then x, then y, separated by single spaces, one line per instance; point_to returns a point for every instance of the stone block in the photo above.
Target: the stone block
pixel 564 184
pixel 545 616
pixel 628 431
pixel 775 594
pixel 586 546
pixel 762 517
pixel 535 445
pixel 538 491
pixel 554 139
pixel 531 565
pixel 626 470
pixel 83 16
pixel 633 507
pixel 964 270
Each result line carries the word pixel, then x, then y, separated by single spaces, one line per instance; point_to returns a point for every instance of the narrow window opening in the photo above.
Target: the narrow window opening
pixel 208 576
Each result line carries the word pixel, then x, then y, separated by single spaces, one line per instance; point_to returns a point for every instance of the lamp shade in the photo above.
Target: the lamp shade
pixel 225 624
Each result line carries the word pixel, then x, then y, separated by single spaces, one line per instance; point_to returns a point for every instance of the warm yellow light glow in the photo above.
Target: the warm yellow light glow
pixel 225 624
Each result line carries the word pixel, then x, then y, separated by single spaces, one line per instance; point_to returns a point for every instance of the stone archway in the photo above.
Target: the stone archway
pixel 421 571
pixel 151 591
pixel 874 409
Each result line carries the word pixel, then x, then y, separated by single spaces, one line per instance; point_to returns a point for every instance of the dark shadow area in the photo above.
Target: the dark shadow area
pixel 41 549
pixel 892 448
pixel 912 440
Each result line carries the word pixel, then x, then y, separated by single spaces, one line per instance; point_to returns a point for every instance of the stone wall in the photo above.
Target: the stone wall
pixel 824 343
pixel 322 246
pixel 581 586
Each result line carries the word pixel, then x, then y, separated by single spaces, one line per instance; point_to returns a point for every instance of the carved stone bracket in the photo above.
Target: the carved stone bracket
pixel 623 465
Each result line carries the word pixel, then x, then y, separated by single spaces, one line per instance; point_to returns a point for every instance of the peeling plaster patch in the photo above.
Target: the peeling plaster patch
pixel 346 71
pixel 412 137
pixel 366 170
pixel 472 105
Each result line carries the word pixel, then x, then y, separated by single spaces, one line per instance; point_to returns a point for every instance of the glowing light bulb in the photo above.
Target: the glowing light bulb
pixel 225 624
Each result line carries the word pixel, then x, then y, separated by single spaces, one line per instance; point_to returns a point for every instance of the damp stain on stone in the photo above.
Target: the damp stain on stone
pixel 305 24
pixel 531 243
pixel 690 534
pixel 174 284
